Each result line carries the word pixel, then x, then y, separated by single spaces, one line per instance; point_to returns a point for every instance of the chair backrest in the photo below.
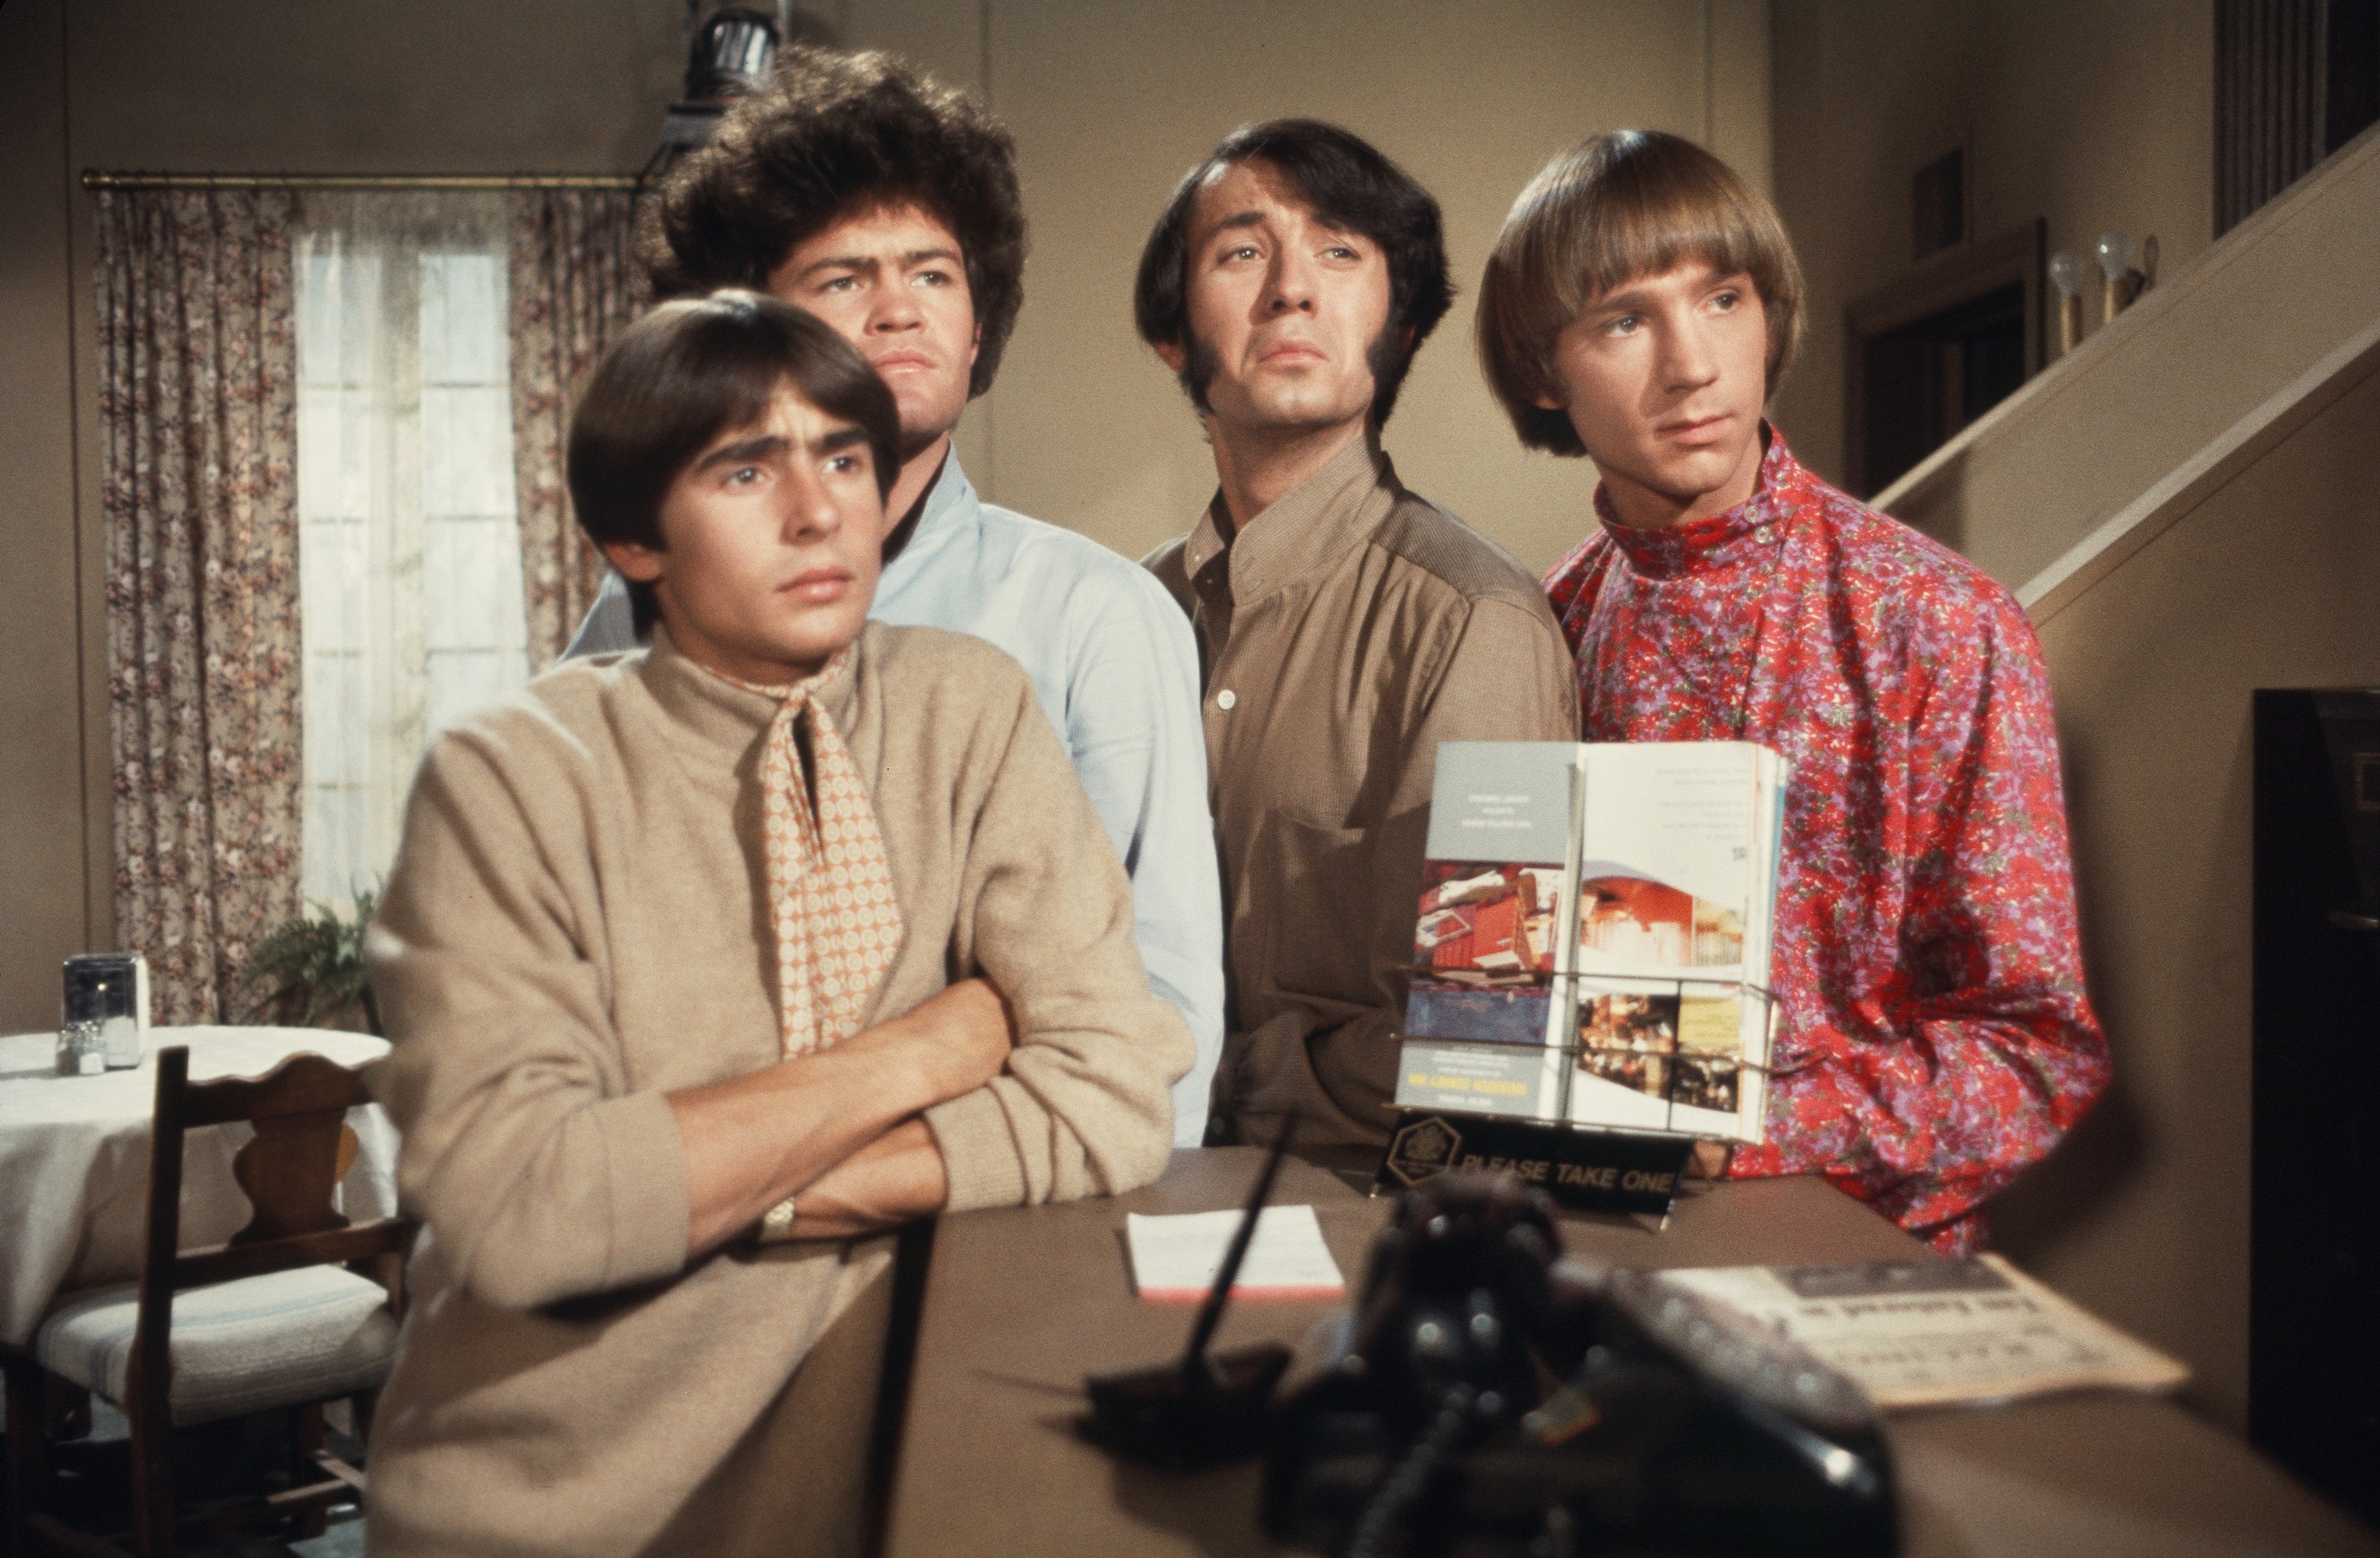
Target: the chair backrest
pixel 290 1172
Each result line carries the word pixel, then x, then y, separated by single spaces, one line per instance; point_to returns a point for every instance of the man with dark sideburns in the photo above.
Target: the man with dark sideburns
pixel 1345 626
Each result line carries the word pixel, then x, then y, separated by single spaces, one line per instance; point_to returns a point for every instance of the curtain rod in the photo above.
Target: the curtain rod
pixel 94 179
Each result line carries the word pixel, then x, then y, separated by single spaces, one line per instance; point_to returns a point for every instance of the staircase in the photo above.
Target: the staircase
pixel 2088 438
pixel 2189 507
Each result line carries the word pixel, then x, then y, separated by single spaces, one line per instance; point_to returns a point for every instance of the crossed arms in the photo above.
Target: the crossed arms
pixel 838 1130
pixel 586 1067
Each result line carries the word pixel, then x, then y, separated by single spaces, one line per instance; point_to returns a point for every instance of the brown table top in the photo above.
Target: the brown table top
pixel 1020 1305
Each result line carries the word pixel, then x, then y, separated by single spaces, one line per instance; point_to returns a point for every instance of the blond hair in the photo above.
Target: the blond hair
pixel 1622 205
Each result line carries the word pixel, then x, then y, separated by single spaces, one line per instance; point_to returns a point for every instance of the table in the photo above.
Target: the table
pixel 73 1159
pixel 1019 1305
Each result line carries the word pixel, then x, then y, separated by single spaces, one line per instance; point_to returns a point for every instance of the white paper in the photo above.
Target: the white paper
pixel 1177 1258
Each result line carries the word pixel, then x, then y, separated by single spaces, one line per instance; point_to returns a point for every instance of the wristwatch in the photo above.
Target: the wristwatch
pixel 778 1222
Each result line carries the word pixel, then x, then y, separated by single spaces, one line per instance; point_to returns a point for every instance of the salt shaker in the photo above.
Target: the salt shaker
pixel 82 1048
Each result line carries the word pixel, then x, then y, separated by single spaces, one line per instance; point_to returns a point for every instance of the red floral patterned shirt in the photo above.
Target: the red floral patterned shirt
pixel 1936 1037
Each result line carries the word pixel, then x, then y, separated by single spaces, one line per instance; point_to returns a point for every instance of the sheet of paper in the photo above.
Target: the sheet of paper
pixel 1936 1332
pixel 1174 1260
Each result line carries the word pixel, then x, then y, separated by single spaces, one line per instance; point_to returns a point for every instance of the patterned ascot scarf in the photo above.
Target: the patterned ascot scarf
pixel 830 885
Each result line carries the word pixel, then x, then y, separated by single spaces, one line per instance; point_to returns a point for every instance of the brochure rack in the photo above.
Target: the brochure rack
pixel 1543 1112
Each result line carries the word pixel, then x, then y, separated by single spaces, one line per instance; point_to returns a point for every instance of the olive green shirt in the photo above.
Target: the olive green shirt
pixel 1343 634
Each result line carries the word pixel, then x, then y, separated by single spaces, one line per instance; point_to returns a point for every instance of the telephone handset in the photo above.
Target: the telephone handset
pixel 1493 1397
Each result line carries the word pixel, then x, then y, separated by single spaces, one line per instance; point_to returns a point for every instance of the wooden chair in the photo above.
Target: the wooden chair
pixel 270 1320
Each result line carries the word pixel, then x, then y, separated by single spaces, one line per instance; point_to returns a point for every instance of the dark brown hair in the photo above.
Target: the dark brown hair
pixel 692 370
pixel 1349 185
pixel 834 135
pixel 1627 204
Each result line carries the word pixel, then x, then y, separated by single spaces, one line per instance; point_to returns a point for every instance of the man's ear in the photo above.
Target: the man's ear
pixel 638 562
pixel 1549 397
pixel 1171 353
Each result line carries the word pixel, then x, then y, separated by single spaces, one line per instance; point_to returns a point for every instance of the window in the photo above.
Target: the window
pixel 409 548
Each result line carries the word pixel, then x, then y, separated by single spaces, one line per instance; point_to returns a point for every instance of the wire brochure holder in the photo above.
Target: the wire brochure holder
pixel 1607 1118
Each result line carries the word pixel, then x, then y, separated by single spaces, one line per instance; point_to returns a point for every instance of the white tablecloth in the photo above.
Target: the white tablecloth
pixel 73 1159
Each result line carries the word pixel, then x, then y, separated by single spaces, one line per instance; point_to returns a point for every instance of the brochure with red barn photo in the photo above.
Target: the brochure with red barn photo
pixel 1592 939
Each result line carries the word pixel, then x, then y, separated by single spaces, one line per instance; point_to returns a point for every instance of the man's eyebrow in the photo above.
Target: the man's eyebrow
pixel 1634 301
pixel 841 438
pixel 1239 219
pixel 744 449
pixel 1618 303
pixel 867 262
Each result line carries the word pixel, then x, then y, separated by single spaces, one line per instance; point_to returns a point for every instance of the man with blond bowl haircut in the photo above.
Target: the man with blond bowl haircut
pixel 887 204
pixel 706 965
pixel 1639 309
pixel 1345 626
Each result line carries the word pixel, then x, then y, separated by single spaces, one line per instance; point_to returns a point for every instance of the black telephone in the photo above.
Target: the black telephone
pixel 1491 1397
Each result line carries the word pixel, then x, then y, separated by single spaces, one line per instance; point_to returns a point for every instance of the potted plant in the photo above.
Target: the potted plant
pixel 315 965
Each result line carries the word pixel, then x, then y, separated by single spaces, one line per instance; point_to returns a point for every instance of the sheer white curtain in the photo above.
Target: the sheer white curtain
pixel 409 551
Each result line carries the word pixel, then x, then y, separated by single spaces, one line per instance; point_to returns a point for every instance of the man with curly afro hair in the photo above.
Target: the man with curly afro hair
pixel 886 203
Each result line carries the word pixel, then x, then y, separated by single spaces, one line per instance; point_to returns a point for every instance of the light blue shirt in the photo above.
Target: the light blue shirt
pixel 1113 662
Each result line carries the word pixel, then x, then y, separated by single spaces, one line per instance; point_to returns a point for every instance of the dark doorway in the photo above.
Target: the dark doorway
pixel 1928 379
pixel 1937 350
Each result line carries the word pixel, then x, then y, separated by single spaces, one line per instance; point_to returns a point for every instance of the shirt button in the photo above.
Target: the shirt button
pixel 1226 698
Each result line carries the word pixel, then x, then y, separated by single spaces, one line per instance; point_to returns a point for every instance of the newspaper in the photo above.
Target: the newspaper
pixel 1936 1332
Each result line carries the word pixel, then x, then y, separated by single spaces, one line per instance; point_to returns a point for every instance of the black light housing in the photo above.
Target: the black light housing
pixel 731 56
pixel 733 52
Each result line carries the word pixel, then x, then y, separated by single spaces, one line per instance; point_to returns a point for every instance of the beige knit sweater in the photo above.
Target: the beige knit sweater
pixel 575 926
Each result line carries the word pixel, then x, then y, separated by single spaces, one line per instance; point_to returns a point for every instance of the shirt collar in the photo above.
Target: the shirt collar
pixel 948 502
pixel 1303 530
pixel 1663 551
pixel 724 715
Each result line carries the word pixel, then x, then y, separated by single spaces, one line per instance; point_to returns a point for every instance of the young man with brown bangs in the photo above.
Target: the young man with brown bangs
pixel 860 191
pixel 705 965
pixel 1345 626
pixel 1639 309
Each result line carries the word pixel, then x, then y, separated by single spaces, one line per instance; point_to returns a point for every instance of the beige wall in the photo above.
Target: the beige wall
pixel 2092 114
pixel 1110 100
pixel 41 834
pixel 2269 576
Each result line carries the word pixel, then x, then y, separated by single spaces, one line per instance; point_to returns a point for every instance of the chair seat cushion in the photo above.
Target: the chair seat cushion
pixel 309 1334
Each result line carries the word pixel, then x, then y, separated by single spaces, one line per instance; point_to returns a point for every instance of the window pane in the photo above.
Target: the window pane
pixel 338 844
pixel 334 559
pixel 338 714
pixel 462 328
pixel 463 681
pixel 471 585
pixel 336 431
pixel 467 443
pixel 338 309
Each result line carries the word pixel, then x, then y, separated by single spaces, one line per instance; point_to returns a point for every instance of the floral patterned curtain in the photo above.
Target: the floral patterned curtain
pixel 198 409
pixel 573 284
